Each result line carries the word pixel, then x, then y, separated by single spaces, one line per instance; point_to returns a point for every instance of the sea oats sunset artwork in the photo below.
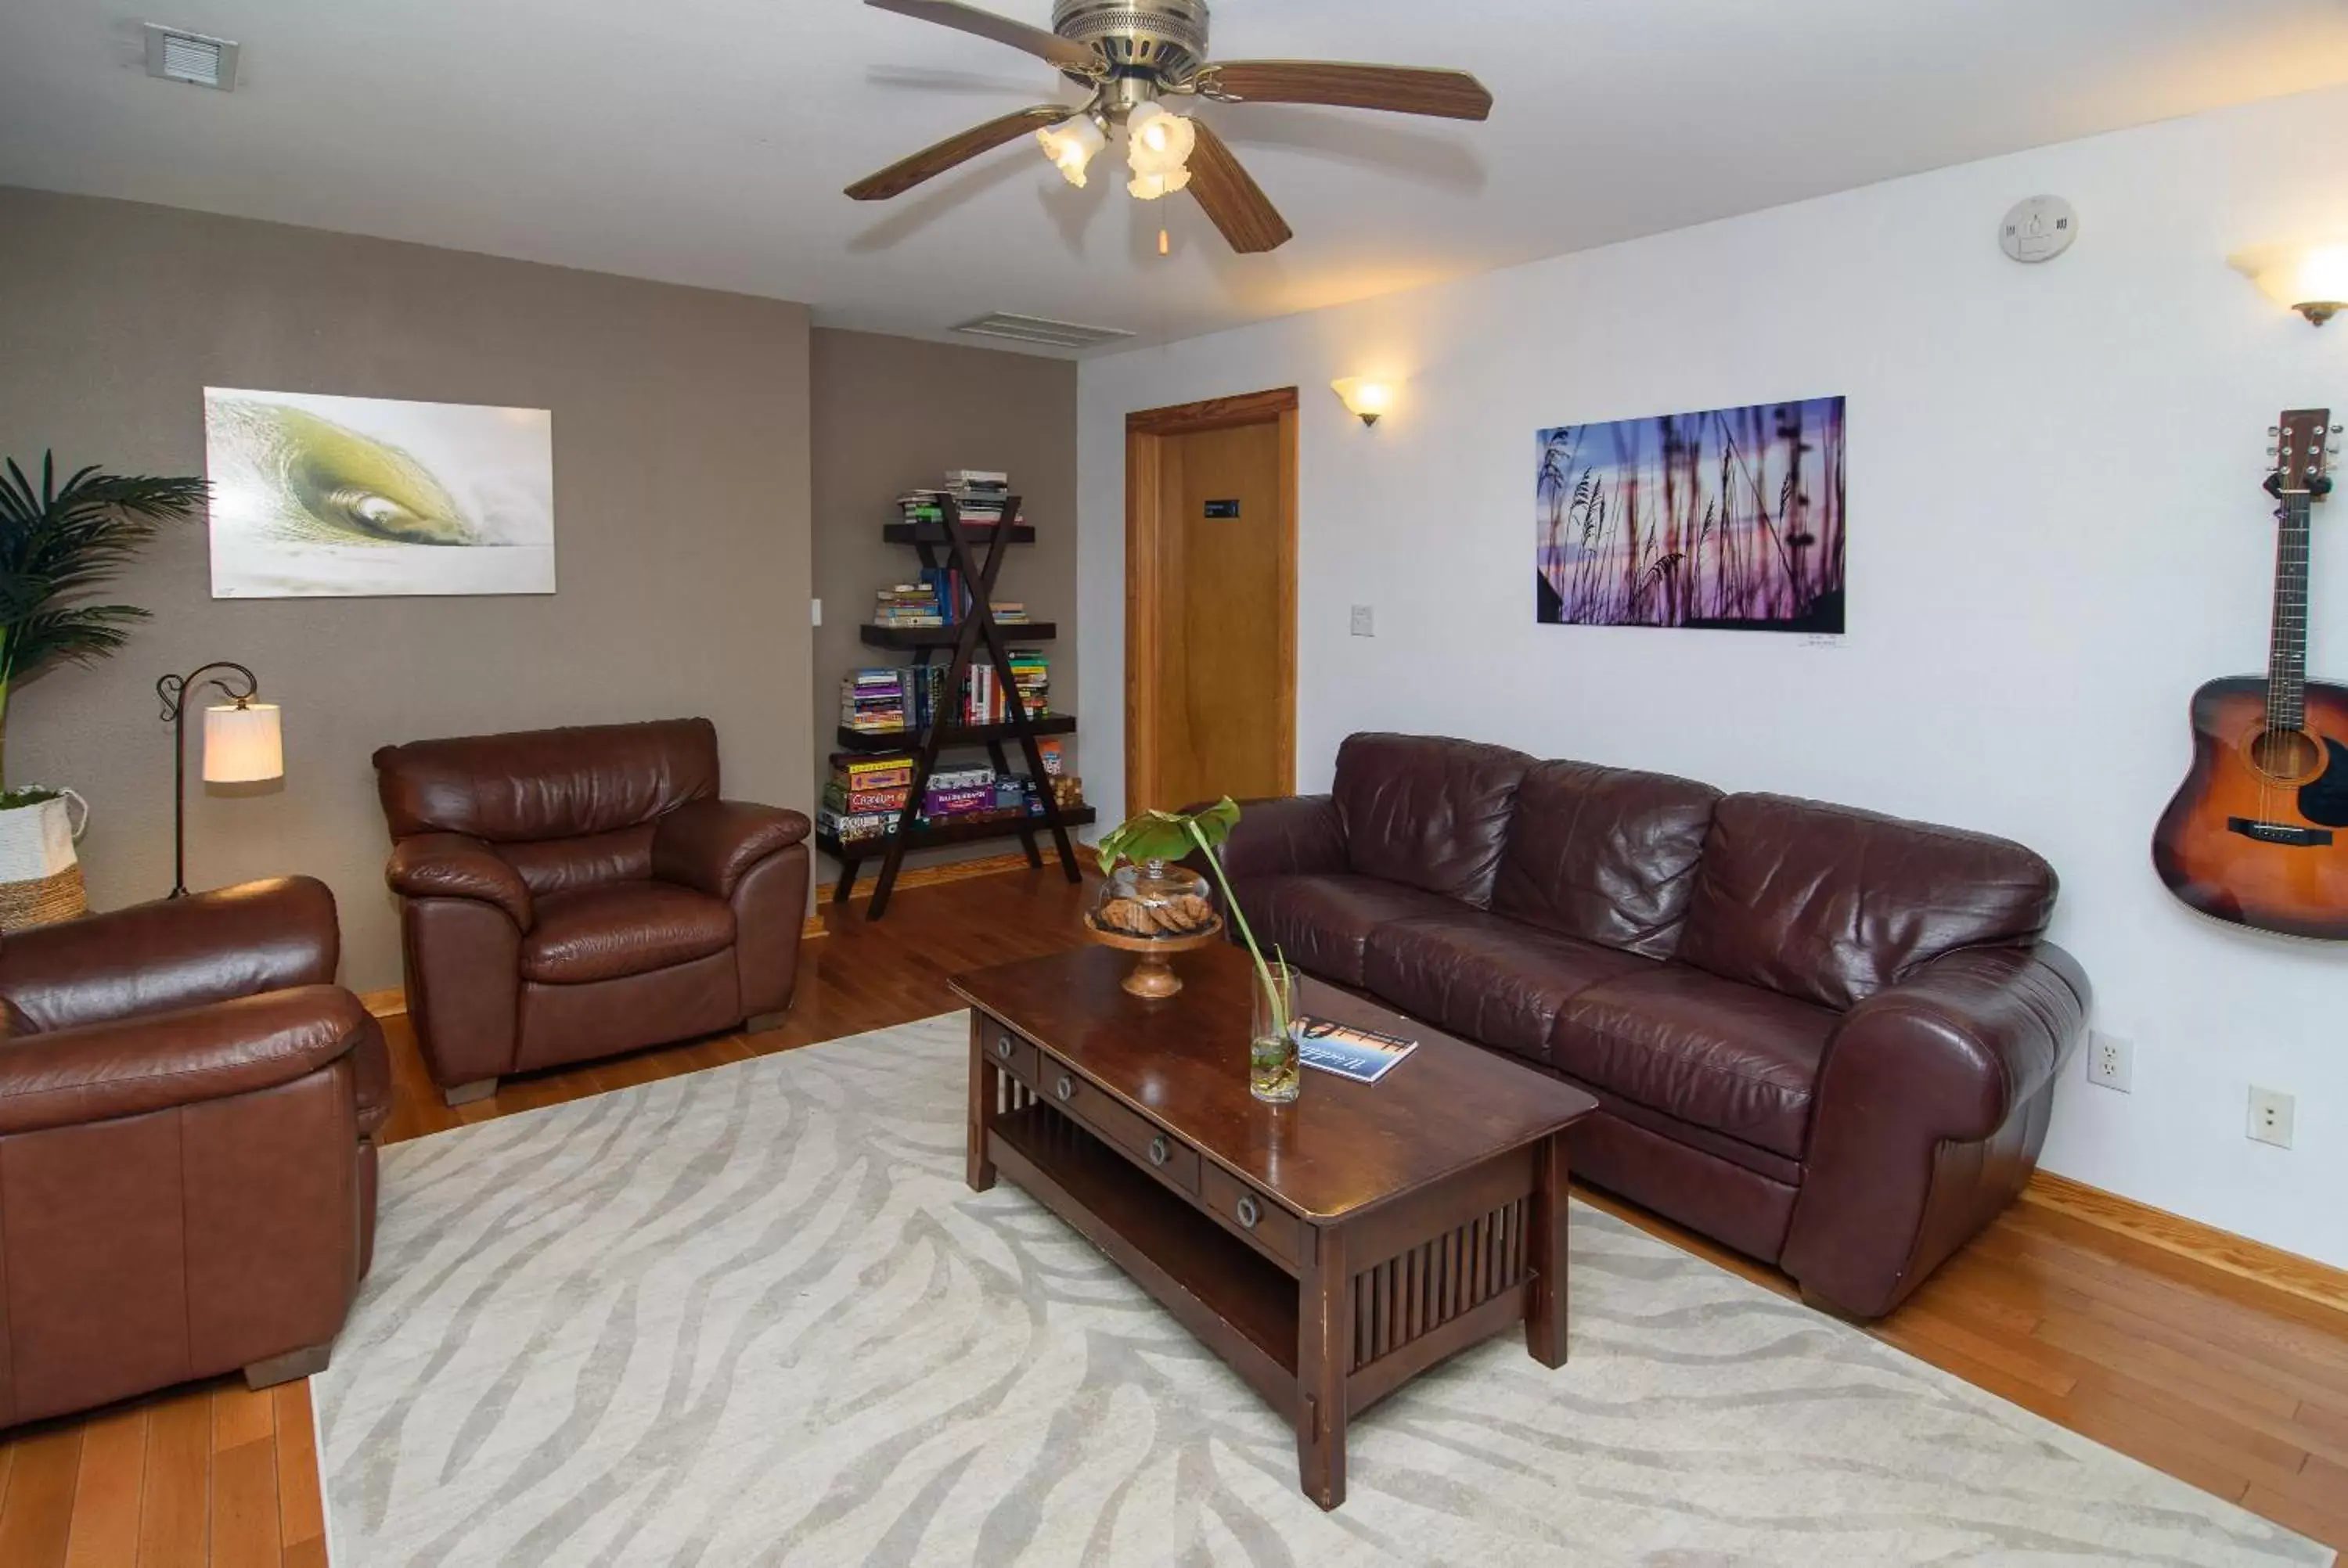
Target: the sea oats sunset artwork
pixel 317 496
pixel 1730 519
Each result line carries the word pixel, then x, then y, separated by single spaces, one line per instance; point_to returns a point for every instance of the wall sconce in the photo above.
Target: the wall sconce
pixel 2311 279
pixel 243 743
pixel 1364 398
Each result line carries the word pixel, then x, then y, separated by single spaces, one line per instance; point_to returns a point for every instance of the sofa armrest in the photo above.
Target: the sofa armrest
pixel 131 1066
pixel 454 866
pixel 172 953
pixel 1931 1109
pixel 708 845
pixel 1286 837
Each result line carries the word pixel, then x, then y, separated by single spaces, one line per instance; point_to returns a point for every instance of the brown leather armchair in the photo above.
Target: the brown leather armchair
pixel 568 894
pixel 188 1113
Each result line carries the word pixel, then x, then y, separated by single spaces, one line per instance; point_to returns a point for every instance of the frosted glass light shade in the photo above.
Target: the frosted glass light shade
pixel 1158 150
pixel 2310 279
pixel 243 744
pixel 1071 145
pixel 1365 399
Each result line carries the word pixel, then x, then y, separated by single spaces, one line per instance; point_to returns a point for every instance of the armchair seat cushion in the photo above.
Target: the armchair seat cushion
pixel 621 928
pixel 1322 924
pixel 1486 977
pixel 1734 1057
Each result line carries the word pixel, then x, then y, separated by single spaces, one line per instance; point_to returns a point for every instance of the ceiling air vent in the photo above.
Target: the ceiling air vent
pixel 182 56
pixel 1041 331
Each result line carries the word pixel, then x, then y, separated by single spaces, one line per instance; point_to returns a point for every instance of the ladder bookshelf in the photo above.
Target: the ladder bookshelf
pixel 947 544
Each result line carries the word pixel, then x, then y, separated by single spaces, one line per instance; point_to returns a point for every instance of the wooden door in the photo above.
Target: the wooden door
pixel 1211 620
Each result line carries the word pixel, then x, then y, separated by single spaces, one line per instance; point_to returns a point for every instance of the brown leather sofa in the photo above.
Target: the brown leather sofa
pixel 568 894
pixel 1824 1038
pixel 188 1111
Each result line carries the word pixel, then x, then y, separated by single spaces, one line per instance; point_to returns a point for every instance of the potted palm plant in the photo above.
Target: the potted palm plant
pixel 58 544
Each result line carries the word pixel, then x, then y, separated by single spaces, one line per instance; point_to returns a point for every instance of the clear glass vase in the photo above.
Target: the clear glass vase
pixel 1273 1074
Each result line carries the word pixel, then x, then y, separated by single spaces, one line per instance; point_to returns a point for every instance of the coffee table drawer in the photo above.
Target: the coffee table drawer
pixel 1168 1157
pixel 1008 1051
pixel 1251 1214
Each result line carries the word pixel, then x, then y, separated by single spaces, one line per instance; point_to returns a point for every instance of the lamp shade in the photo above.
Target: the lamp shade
pixel 243 744
pixel 2310 279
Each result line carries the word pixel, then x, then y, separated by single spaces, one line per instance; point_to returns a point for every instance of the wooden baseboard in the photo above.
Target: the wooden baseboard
pixel 2222 1250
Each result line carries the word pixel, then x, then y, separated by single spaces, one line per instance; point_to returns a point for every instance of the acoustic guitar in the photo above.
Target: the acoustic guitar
pixel 2258 833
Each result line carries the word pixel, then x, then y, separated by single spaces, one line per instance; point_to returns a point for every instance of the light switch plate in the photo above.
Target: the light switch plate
pixel 1366 621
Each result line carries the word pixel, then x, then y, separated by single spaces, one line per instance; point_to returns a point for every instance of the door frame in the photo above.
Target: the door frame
pixel 1146 432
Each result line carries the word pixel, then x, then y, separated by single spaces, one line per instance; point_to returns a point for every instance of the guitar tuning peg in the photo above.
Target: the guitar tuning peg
pixel 2274 429
pixel 2340 429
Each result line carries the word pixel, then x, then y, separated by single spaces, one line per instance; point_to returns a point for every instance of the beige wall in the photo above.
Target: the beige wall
pixel 894 414
pixel 681 523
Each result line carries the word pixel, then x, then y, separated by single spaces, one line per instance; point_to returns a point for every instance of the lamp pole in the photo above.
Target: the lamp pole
pixel 173 689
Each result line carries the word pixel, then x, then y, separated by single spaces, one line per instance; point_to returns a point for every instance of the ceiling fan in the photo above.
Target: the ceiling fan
pixel 1132 54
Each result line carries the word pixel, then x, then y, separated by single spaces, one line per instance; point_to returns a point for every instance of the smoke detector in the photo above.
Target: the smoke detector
pixel 176 54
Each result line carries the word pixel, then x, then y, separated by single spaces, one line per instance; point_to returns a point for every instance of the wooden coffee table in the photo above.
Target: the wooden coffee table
pixel 1329 1249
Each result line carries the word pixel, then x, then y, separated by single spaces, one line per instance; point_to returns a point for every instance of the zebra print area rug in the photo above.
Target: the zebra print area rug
pixel 753 1315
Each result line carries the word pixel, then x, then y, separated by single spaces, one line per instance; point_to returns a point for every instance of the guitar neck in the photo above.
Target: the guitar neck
pixel 2287 644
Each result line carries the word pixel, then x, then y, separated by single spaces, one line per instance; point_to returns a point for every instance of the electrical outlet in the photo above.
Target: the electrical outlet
pixel 817 611
pixel 2271 1111
pixel 1366 621
pixel 2111 1061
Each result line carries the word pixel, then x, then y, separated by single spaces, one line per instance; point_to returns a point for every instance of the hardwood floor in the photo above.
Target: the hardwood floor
pixel 2239 1390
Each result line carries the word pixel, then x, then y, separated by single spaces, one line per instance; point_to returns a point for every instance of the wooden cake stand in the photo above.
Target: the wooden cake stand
pixel 1154 977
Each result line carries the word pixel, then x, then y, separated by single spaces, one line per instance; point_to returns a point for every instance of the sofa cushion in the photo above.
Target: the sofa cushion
pixel 1322 924
pixel 617 929
pixel 1427 813
pixel 1607 854
pixel 1737 1059
pixel 1831 905
pixel 1485 979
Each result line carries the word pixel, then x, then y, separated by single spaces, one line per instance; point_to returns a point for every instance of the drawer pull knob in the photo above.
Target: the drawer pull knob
pixel 1002 1047
pixel 1065 1087
pixel 1248 1211
pixel 1158 1150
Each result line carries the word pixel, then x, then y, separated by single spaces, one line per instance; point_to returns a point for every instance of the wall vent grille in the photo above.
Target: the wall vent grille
pixel 1041 331
pixel 177 55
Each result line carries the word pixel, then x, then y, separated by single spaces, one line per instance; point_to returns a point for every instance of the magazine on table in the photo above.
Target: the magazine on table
pixel 1347 1049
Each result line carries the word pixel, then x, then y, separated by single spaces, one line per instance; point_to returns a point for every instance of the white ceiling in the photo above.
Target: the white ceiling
pixel 707 141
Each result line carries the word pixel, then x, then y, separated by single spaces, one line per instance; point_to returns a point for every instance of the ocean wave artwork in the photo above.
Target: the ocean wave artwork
pixel 355 497
pixel 1728 520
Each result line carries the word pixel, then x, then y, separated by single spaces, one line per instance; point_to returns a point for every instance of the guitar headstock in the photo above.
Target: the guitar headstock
pixel 2302 453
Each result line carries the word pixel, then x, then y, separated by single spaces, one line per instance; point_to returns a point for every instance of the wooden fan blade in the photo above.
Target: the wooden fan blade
pixel 1002 29
pixel 1401 90
pixel 931 161
pixel 1232 198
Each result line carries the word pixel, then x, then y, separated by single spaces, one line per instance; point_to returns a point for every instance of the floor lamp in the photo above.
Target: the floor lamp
pixel 243 744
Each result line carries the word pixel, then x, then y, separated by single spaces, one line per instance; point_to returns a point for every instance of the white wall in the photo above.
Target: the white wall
pixel 2056 534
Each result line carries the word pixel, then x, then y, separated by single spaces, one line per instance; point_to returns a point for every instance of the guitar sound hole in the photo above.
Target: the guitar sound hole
pixel 2287 757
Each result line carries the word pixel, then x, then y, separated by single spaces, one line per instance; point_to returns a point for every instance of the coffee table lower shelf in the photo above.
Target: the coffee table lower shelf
pixel 1236 1300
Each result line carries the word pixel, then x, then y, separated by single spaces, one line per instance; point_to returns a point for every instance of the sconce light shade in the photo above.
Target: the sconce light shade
pixel 2310 279
pixel 243 744
pixel 1364 399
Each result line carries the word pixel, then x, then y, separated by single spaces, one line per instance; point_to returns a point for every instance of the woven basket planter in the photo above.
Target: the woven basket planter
pixel 40 879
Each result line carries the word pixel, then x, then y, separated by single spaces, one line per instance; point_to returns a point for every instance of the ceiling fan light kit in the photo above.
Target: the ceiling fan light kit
pixel 1131 53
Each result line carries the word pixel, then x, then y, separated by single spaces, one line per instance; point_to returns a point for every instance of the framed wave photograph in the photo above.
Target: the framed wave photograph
pixel 1730 519
pixel 316 495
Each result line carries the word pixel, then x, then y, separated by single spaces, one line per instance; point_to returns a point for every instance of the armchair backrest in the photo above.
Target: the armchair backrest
pixel 564 808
